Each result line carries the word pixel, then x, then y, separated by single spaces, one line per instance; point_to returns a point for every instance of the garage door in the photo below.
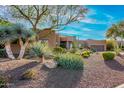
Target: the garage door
pixel 98 47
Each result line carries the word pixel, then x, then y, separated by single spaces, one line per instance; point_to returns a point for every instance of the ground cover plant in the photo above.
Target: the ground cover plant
pixel 29 74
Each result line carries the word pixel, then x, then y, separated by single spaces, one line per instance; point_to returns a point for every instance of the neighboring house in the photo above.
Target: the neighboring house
pixel 98 45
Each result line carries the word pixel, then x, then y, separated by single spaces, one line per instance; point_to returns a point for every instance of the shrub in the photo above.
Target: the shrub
pixel 108 55
pixel 78 52
pixel 117 51
pixel 29 74
pixel 59 50
pixel 86 53
pixel 2 53
pixel 69 61
pixel 3 81
pixel 110 45
pixel 73 50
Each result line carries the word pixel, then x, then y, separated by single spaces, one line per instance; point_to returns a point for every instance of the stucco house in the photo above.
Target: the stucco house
pixel 53 39
pixel 98 45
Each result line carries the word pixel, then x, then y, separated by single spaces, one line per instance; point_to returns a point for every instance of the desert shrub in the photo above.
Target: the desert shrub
pixel 3 81
pixel 59 50
pixel 69 61
pixel 93 50
pixel 110 45
pixel 2 53
pixel 117 50
pixel 29 74
pixel 86 53
pixel 108 55
pixel 73 50
pixel 78 52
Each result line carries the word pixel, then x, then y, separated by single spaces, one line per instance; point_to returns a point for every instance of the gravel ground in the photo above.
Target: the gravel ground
pixel 97 73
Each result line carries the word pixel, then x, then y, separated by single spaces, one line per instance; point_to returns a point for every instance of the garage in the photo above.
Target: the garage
pixel 98 47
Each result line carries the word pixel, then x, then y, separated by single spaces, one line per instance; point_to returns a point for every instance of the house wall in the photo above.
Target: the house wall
pixel 68 41
pixel 48 35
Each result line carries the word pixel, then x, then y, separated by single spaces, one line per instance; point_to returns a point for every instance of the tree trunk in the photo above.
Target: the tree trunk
pixel 9 51
pixel 23 47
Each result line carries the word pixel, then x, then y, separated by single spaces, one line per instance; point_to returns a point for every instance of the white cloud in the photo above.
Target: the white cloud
pixel 93 21
pixel 110 17
pixel 86 29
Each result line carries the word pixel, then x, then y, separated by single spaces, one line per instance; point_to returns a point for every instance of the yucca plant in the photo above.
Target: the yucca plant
pixel 40 50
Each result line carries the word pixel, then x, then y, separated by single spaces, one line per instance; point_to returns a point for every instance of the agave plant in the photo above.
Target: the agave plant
pixel 40 50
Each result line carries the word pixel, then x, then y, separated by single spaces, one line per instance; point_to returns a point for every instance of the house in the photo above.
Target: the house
pixel 53 39
pixel 98 45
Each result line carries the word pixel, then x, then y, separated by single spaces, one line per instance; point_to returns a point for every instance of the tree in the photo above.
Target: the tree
pixel 61 16
pixel 24 36
pixel 121 32
pixel 33 14
pixel 6 37
pixel 52 17
pixel 15 32
pixel 113 32
pixel 116 31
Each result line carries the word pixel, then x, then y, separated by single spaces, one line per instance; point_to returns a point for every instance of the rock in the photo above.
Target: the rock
pixel 120 86
pixel 50 64
pixel 121 54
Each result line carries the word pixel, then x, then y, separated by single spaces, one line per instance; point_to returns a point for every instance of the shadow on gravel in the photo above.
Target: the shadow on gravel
pixel 17 72
pixel 62 78
pixel 115 65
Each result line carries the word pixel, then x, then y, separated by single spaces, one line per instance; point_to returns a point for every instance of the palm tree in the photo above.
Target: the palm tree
pixel 6 37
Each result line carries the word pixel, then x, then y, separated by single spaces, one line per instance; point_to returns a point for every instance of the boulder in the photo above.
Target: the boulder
pixel 121 54
pixel 50 64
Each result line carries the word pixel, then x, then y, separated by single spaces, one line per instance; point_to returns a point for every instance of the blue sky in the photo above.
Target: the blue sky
pixel 96 22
